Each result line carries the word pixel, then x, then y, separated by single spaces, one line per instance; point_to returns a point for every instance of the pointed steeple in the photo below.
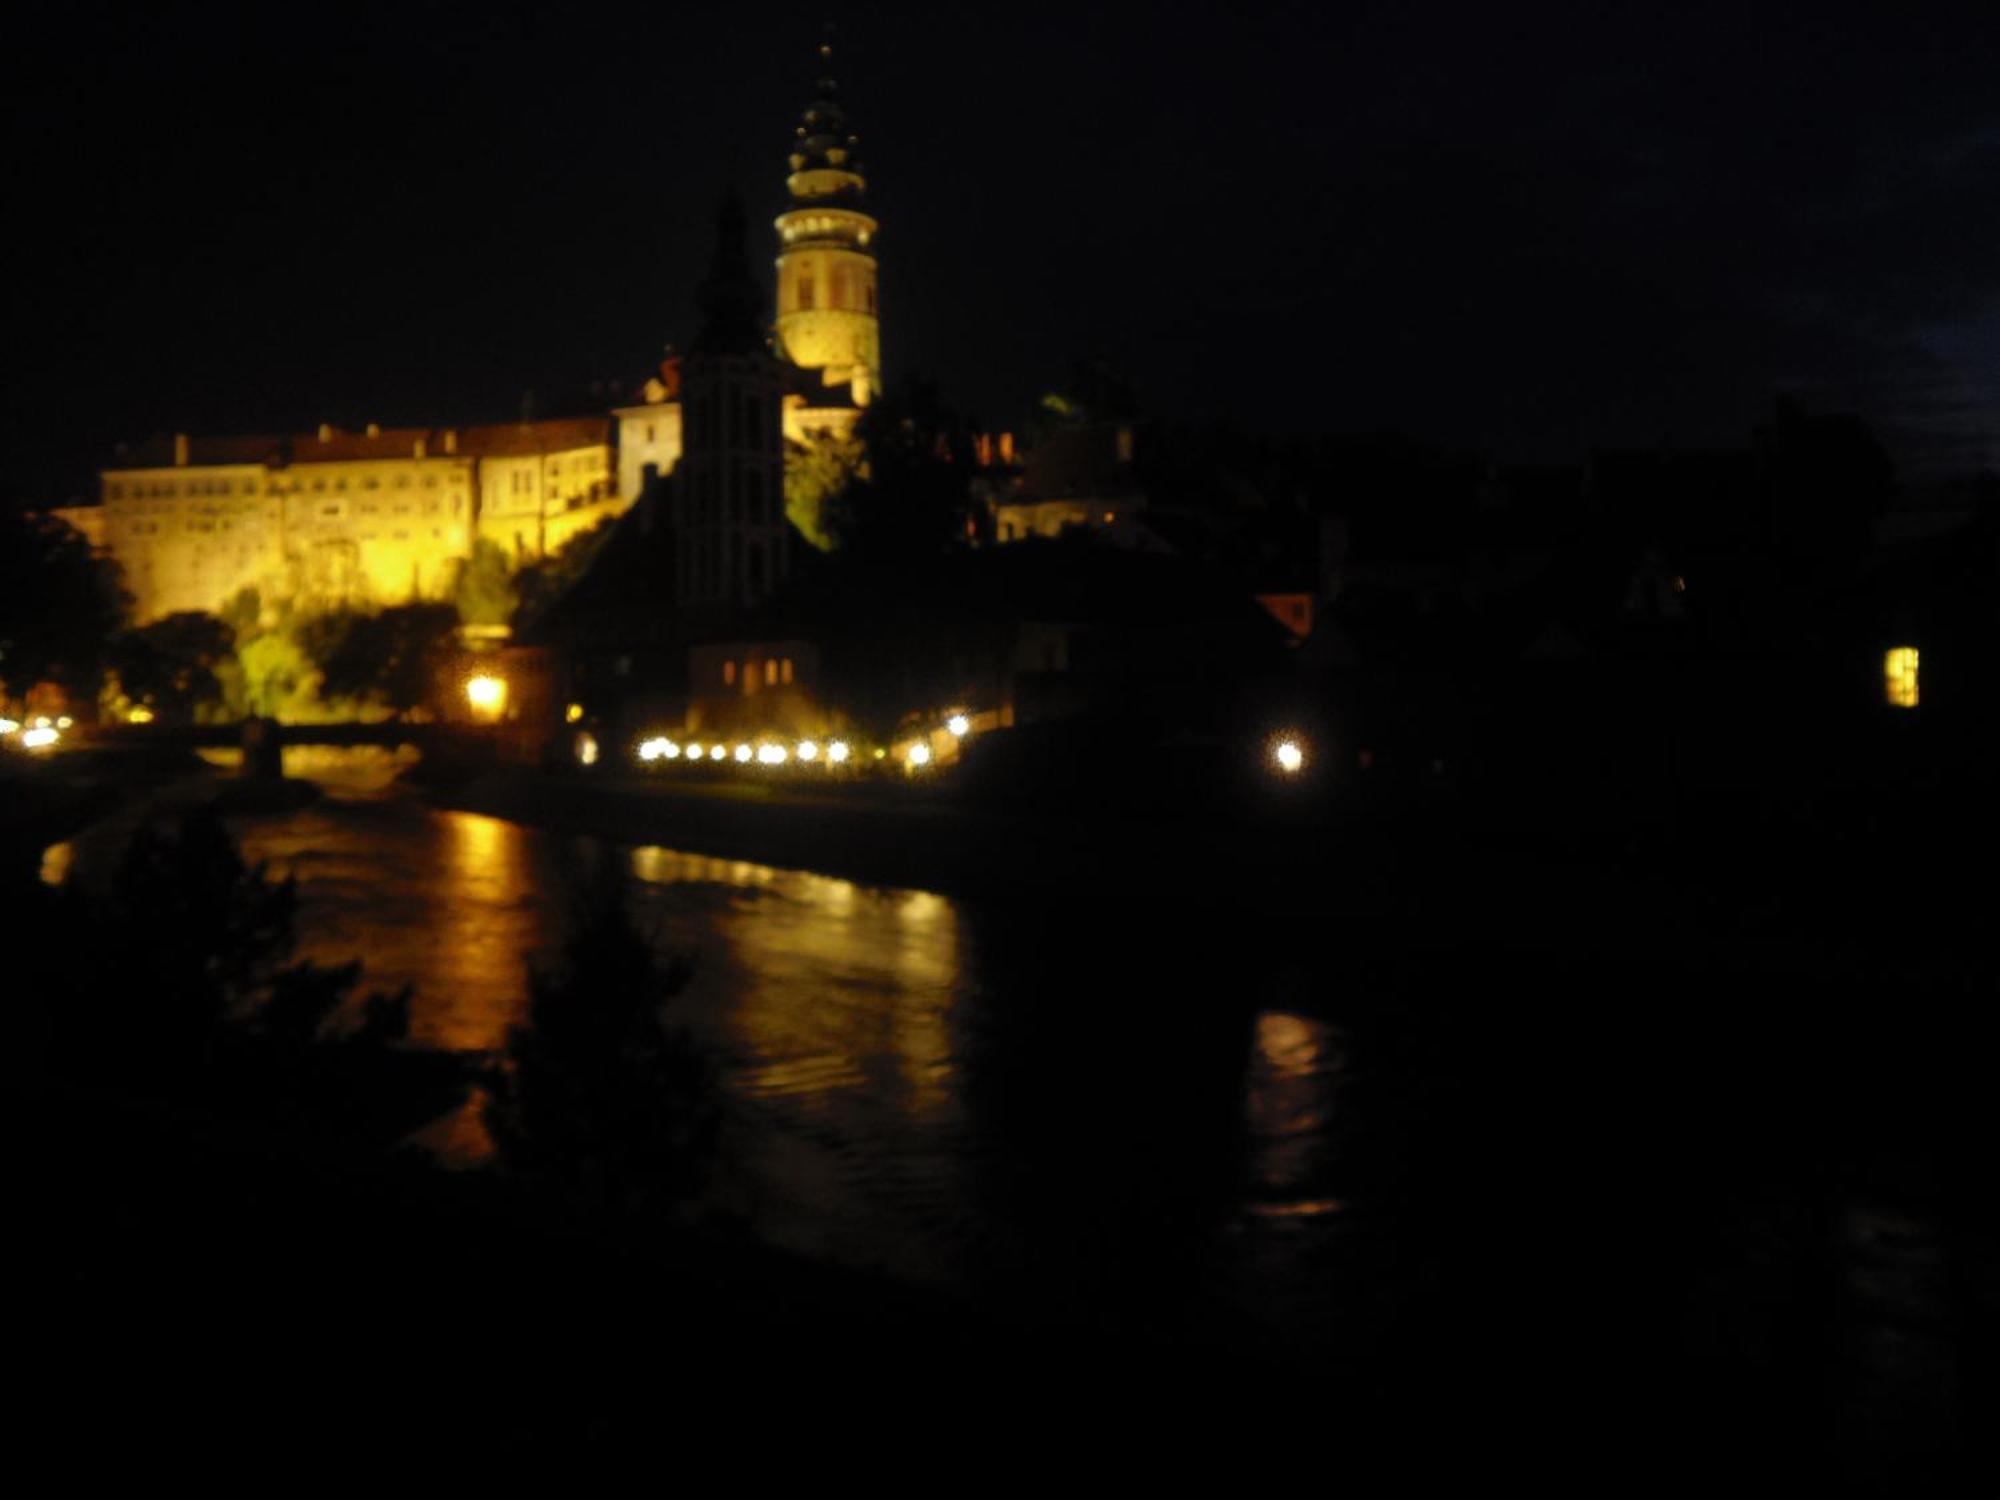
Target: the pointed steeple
pixel 827 320
pixel 730 299
pixel 825 142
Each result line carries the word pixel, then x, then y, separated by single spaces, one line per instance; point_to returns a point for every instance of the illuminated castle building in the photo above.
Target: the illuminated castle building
pixel 827 318
pixel 376 517
pixel 388 516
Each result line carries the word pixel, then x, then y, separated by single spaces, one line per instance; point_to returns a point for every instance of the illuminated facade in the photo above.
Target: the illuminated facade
pixel 828 323
pixel 389 516
pixel 384 516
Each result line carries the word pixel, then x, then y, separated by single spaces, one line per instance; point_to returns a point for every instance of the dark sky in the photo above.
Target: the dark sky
pixel 1530 230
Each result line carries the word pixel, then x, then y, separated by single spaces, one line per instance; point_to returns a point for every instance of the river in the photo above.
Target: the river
pixel 1133 1107
pixel 950 1095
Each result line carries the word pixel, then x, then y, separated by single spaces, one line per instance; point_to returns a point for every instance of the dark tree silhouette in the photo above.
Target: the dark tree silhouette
pixel 913 497
pixel 601 1093
pixel 395 657
pixel 175 665
pixel 539 584
pixel 59 606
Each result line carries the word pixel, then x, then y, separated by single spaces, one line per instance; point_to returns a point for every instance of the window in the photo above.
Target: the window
pixel 785 669
pixel 729 674
pixel 806 290
pixel 770 673
pixel 1899 674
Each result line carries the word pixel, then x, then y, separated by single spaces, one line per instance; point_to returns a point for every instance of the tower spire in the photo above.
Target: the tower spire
pixel 826 263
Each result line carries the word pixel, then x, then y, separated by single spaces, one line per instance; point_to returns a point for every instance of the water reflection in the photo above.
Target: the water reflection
pixel 946 1094
pixel 831 1008
pixel 1294 1068
pixel 56 861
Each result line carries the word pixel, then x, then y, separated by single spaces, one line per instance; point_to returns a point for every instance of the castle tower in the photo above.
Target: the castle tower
pixel 732 543
pixel 827 322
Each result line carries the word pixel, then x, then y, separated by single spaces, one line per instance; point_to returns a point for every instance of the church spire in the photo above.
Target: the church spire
pixel 730 301
pixel 823 161
pixel 827 320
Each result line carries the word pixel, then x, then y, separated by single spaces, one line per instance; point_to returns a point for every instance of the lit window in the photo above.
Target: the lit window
pixel 770 673
pixel 785 669
pixel 729 674
pixel 1899 673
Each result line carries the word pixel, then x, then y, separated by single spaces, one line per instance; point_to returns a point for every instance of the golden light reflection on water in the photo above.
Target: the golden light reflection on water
pixel 831 985
pixel 1290 1115
pixel 831 1005
pixel 56 860
pixel 483 937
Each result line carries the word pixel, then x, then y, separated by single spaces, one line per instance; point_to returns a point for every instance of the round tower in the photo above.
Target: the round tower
pixel 826 263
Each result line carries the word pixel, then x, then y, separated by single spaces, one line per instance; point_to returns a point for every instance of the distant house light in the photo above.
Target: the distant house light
pixel 1899 676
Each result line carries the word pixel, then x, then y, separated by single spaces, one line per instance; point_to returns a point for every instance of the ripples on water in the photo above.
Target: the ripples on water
pixel 1107 1101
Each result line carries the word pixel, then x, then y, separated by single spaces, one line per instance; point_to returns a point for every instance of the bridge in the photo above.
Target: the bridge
pixel 245 734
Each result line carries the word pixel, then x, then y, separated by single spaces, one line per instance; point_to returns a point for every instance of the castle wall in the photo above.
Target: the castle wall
pixel 365 520
pixel 648 437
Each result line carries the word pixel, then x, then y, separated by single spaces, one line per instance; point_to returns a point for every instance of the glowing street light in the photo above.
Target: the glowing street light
pixel 771 755
pixel 743 753
pixel 41 737
pixel 586 749
pixel 1290 758
pixel 808 750
pixel 920 754
pixel 716 752
pixel 959 725
pixel 838 752
pixel 487 695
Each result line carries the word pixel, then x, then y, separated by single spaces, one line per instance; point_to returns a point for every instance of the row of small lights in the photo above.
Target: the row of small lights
pixel 661 748
pixel 39 735
pixel 838 752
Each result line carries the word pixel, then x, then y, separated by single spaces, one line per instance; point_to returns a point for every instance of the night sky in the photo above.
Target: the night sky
pixel 1527 230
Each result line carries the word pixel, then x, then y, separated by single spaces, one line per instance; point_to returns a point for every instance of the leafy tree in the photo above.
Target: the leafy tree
pixel 200 941
pixel 540 584
pixel 817 473
pixel 486 593
pixel 60 604
pixel 394 657
pixel 600 1092
pixel 191 988
pixel 173 665
pixel 277 675
pixel 914 496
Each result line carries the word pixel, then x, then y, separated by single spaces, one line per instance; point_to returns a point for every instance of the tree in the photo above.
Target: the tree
pixel 486 593
pixel 60 604
pixel 539 584
pixel 277 675
pixel 394 657
pixel 188 987
pixel 173 665
pixel 817 472
pixel 600 1092
pixel 913 498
